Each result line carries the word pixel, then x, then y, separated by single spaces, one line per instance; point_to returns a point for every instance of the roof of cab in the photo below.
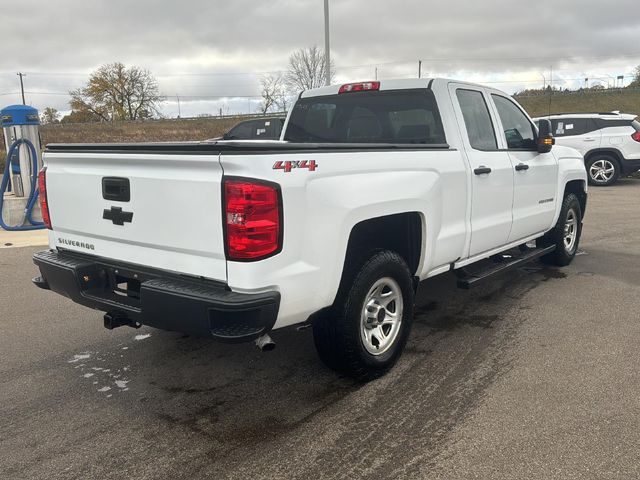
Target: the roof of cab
pixel 391 84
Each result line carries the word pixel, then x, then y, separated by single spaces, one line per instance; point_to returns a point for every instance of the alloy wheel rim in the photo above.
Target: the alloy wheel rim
pixel 381 316
pixel 570 231
pixel 602 171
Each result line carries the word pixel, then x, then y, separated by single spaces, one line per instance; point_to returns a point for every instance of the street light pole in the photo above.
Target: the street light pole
pixel 327 49
pixel 179 112
pixel 20 74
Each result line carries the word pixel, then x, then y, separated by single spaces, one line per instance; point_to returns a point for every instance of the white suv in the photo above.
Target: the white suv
pixel 610 142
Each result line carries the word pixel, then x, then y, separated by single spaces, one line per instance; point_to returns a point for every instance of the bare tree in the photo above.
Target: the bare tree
pixel 275 93
pixel 49 115
pixel 115 92
pixel 636 78
pixel 270 89
pixel 307 69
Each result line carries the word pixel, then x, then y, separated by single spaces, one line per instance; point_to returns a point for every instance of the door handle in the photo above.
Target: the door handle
pixel 482 170
pixel 589 139
pixel 522 166
pixel 116 189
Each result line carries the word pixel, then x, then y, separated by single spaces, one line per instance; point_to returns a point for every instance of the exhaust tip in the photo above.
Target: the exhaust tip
pixel 265 343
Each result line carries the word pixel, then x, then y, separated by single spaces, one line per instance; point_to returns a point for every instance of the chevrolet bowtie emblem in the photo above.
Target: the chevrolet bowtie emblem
pixel 117 216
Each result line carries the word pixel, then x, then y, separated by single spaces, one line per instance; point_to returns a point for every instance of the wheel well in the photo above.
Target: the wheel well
pixel 577 187
pixel 604 151
pixel 401 233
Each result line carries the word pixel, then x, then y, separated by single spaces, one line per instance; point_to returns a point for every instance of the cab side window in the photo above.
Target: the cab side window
pixel 518 129
pixel 477 119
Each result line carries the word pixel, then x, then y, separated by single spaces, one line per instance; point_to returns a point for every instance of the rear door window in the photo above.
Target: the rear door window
pixel 242 131
pixel 390 116
pixel 482 135
pixel 268 129
pixel 571 127
pixel 558 126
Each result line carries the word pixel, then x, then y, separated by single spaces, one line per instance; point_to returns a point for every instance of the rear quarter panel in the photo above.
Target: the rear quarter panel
pixel 321 208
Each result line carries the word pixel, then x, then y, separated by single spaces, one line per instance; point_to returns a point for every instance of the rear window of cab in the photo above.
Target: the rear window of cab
pixel 407 116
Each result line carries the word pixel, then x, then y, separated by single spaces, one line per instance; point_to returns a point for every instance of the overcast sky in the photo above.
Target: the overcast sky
pixel 203 50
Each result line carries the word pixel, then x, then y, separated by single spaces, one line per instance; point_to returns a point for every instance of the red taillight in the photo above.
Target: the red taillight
pixel 636 136
pixel 359 87
pixel 44 205
pixel 252 219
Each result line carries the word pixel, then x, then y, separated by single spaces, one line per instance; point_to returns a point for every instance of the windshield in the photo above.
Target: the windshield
pixel 391 116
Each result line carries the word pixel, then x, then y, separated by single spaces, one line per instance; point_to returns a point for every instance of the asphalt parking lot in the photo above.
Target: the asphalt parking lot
pixel 534 375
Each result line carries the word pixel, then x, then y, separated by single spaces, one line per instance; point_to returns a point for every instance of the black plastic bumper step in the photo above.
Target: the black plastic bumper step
pixel 504 263
pixel 131 295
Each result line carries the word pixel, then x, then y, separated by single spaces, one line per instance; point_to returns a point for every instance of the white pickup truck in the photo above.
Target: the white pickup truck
pixel 373 187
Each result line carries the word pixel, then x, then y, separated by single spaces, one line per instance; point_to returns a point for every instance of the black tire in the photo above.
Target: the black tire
pixel 597 176
pixel 338 335
pixel 563 254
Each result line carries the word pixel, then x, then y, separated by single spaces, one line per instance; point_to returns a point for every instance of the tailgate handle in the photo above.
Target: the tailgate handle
pixel 116 189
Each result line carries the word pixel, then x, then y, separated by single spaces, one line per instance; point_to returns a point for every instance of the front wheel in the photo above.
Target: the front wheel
pixel 565 235
pixel 365 332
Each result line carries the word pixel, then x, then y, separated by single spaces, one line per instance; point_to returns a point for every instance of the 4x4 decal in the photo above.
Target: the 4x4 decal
pixel 287 166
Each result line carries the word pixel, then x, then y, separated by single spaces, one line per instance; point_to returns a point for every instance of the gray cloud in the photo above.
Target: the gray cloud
pixel 203 49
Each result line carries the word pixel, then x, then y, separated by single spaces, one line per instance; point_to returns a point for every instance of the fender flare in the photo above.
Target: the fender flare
pixel 607 150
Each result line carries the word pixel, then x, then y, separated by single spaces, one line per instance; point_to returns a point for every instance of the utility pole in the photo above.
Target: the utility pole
pixel 20 74
pixel 327 47
pixel 376 73
pixel 179 112
pixel 419 68
pixel 609 82
pixel 550 85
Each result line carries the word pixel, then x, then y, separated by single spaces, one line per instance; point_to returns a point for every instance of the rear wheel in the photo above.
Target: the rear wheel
pixel 566 234
pixel 365 332
pixel 603 170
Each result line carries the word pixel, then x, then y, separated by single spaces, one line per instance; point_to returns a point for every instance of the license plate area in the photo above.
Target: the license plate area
pixel 113 284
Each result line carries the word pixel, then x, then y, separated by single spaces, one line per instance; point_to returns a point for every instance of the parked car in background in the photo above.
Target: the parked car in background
pixel 268 128
pixel 610 142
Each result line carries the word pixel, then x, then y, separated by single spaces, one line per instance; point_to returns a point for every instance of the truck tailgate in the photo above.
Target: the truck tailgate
pixel 175 202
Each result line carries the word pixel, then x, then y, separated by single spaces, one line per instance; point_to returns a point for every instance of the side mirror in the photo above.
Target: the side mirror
pixel 226 136
pixel 545 137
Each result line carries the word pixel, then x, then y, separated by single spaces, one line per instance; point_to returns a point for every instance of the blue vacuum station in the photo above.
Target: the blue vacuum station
pixel 19 206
